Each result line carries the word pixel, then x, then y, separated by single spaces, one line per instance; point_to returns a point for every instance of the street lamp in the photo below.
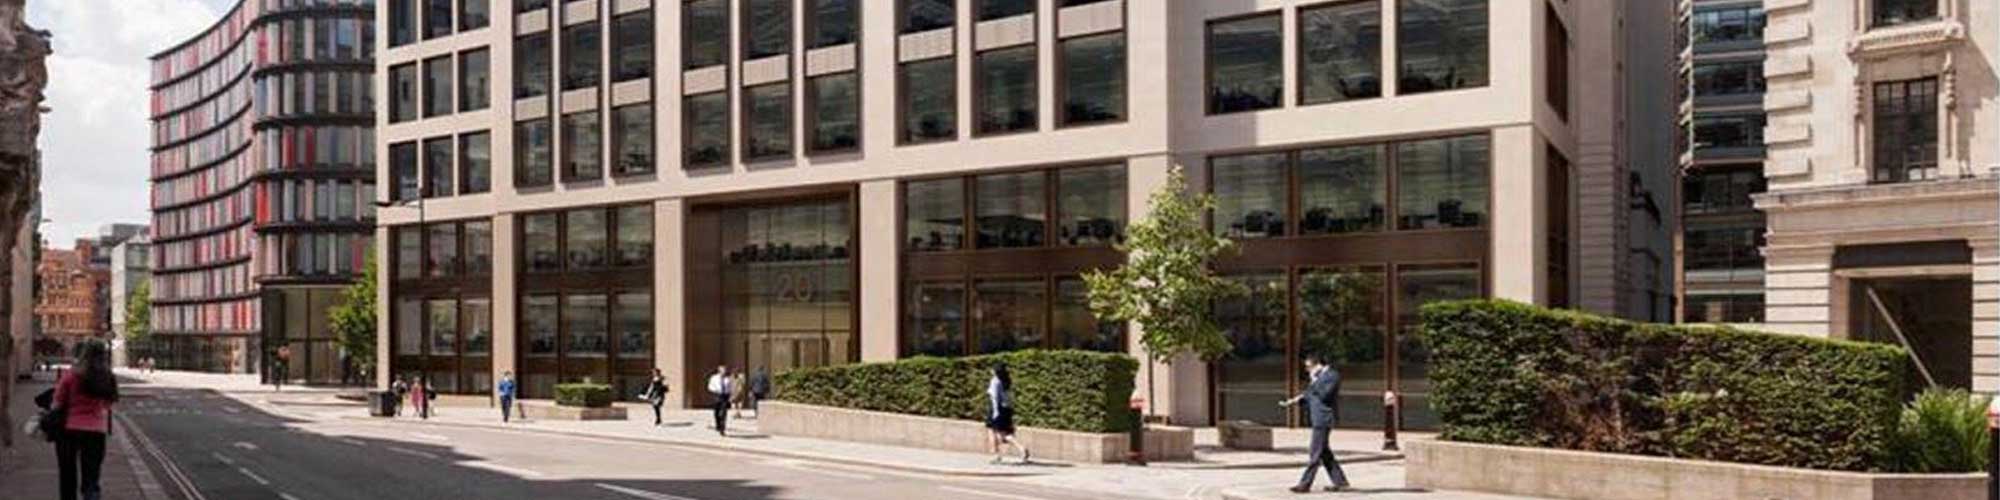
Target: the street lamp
pixel 421 234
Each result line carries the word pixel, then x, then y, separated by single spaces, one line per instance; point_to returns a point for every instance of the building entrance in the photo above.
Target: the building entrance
pixel 772 286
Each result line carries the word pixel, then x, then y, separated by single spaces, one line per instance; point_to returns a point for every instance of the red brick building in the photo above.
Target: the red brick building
pixel 67 306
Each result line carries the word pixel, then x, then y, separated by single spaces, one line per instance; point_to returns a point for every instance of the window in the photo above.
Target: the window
pixel 1728 24
pixel 473 14
pixel 929 94
pixel 1009 315
pixel 1005 83
pixel 534 153
pixel 580 62
pixel 1340 52
pixel 935 324
pixel 441 250
pixel 1249 195
pixel 1075 327
pixel 584 241
pixel 409 252
pixel 633 317
pixel 1894 12
pixel 1091 204
pixel 1728 78
pixel 632 46
pixel 1073 3
pixel 443 327
pixel 1441 45
pixel 403 165
pixel 634 146
pixel 437 22
pixel 437 167
pixel 995 9
pixel 540 242
pixel 1092 79
pixel 475 163
pixel 1245 64
pixel 767 126
pixel 934 213
pixel 1343 190
pixel 926 15
pixel 1721 248
pixel 437 86
pixel 832 22
pixel 1729 131
pixel 705 33
pixel 478 326
pixel 1715 189
pixel 478 248
pixel 473 80
pixel 1010 210
pixel 1556 216
pixel 1557 47
pixel 583 147
pixel 403 93
pixel 1906 130
pixel 531 66
pixel 522 6
pixel 768 28
pixel 1724 308
pixel 635 236
pixel 539 314
pixel 402 22
pixel 706 119
pixel 1442 183
pixel 834 105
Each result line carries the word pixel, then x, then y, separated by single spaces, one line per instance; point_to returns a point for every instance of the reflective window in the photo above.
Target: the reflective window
pixel 1716 189
pixel 1442 183
pixel 767 131
pixel 477 325
pixel 539 314
pixel 1441 45
pixel 438 167
pixel 1728 24
pixel 403 166
pixel 1724 248
pixel 633 317
pixel 437 21
pixel 478 248
pixel 834 103
pixel 521 6
pixel 1894 12
pixel 475 162
pixel 584 318
pixel 1246 64
pixel 634 147
pixel 409 252
pixel 473 80
pixel 929 94
pixel 706 119
pixel 1010 210
pixel 832 22
pixel 1091 204
pixel 583 147
pixel 1415 287
pixel 443 327
pixel 995 9
pixel 1343 319
pixel 1728 78
pixel 473 14
pixel 1254 373
pixel 1249 195
pixel 402 22
pixel 936 321
pixel 768 28
pixel 531 66
pixel 539 240
pixel 1343 190
pixel 437 86
pixel 926 15
pixel 705 33
pixel 1729 131
pixel 403 93
pixel 1340 52
pixel 1906 130
pixel 935 214
pixel 632 46
pixel 581 66
pixel 635 236
pixel 1010 315
pixel 1092 79
pixel 1004 80
pixel 441 250
pixel 1075 327
pixel 1723 308
pixel 534 153
pixel 584 239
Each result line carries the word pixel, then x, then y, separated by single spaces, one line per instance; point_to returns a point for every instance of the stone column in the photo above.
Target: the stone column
pixel 506 269
pixel 879 288
pixel 1516 268
pixel 1799 289
pixel 669 295
pixel 1180 392
pixel 1985 314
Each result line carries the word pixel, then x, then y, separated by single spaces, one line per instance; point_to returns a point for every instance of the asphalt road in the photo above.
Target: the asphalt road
pixel 211 447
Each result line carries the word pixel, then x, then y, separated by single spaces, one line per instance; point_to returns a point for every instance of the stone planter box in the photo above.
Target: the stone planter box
pixel 1244 435
pixel 552 411
pixel 1552 473
pixel 791 419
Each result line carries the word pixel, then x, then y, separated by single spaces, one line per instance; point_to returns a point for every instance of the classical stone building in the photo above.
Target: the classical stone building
pixel 1882 207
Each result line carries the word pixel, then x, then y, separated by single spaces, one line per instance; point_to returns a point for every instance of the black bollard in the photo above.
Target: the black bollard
pixel 1390 421
pixel 1992 453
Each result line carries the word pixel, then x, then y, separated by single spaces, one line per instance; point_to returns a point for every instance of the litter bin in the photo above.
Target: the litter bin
pixel 382 403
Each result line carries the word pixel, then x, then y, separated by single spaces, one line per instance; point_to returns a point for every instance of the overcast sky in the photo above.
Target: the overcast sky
pixel 94 156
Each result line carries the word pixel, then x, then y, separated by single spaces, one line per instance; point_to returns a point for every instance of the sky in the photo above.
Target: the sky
pixel 94 142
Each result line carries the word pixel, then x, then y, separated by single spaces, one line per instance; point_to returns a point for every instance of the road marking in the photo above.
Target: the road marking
pixel 504 469
pixel 223 459
pixel 355 442
pixel 433 437
pixel 822 469
pixel 168 467
pixel 287 496
pixel 245 445
pixel 969 491
pixel 648 495
pixel 253 476
pixel 232 410
pixel 407 451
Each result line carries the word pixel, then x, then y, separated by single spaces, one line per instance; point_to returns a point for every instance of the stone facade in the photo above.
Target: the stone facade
pixel 67 304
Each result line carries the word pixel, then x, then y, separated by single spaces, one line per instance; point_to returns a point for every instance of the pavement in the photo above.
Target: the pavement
pixel 29 468
pixel 224 436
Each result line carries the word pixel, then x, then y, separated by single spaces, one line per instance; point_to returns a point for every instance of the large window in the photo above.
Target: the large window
pixel 1340 52
pixel 531 66
pixel 1246 64
pixel 534 153
pixel 402 22
pixel 473 14
pixel 475 162
pixel 437 19
pixel 1343 190
pixel 1440 183
pixel 588 239
pixel 833 103
pixel 437 86
pixel 1010 210
pixel 1092 203
pixel 1091 79
pixel 1711 190
pixel 585 242
pixel 403 168
pixel 1728 78
pixel 995 9
pixel 441 250
pixel 540 242
pixel 1729 131
pixel 767 115
pixel 443 325
pixel 1010 314
pixel 929 94
pixel 473 80
pixel 1004 80
pixel 1442 45
pixel 1894 12
pixel 705 33
pixel 1906 130
pixel 632 323
pixel 403 93
pixel 926 15
pixel 634 246
pixel 1735 24
pixel 478 248
pixel 632 46
pixel 1250 195
pixel 438 167
pixel 583 147
pixel 934 213
pixel 634 140
pixel 935 323
pixel 581 66
pixel 832 22
pixel 768 28
pixel 1722 248
pixel 706 125
pixel 1556 70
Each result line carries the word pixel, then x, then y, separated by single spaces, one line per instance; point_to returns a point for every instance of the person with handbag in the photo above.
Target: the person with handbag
pixel 79 418
pixel 656 394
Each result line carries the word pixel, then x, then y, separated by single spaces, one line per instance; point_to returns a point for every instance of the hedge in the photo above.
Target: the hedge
pixel 585 395
pixel 1068 390
pixel 1514 374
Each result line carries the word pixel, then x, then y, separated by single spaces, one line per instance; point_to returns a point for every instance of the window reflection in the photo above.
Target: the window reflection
pixel 409 327
pixel 402 93
pixel 584 322
pixel 929 93
pixel 1093 79
pixel 534 153
pixel 832 23
pixel 1245 64
pixel 1092 205
pixel 1010 210
pixel 769 26
pixel 581 66
pixel 478 326
pixel 634 126
pixel 1415 287
pixel 935 324
pixel 532 65
pixel 478 248
pixel 926 15
pixel 1343 315
pixel 1075 327
pixel 1252 377
pixel 539 239
pixel 443 327
pixel 437 86
pixel 409 252
pixel 473 79
pixel 1249 195
pixel 705 28
pixel 632 46
pixel 583 147
pixel 584 238
pixel 1442 182
pixel 635 236
pixel 539 314
pixel 836 112
pixel 1009 315
pixel 768 108
pixel 442 251
pixel 634 323
pixel 707 121
pixel 1442 45
pixel 935 212
pixel 475 162
pixel 1340 50
pixel 403 165
pixel 1007 90
pixel 438 167
pixel 1342 190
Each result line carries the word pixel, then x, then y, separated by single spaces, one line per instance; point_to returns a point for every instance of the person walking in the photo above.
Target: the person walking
pixel 720 386
pixel 506 391
pixel 738 393
pixel 760 386
pixel 656 394
pixel 281 368
pixel 1000 413
pixel 1322 398
pixel 402 390
pixel 85 395
pixel 420 397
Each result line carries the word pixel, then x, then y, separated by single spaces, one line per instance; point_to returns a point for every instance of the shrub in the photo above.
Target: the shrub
pixel 1943 430
pixel 586 395
pixel 1066 390
pixel 1515 374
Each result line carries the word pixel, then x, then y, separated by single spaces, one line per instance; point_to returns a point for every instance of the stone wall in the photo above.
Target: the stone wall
pixel 1555 473
pixel 791 419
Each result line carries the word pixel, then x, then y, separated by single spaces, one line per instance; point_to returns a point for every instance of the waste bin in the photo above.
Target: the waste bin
pixel 382 403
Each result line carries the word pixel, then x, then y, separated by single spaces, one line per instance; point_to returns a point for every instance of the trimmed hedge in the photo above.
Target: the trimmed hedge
pixel 1068 390
pixel 586 395
pixel 1514 374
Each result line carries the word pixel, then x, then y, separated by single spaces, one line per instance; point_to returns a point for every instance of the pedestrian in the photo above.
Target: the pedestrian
pixel 280 367
pixel 506 391
pixel 420 397
pixel 1322 398
pixel 739 392
pixel 760 386
pixel 402 390
pixel 1000 413
pixel 430 397
pixel 719 386
pixel 85 395
pixel 656 394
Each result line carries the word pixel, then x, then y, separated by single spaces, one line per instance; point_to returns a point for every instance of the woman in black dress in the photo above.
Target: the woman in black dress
pixel 1000 413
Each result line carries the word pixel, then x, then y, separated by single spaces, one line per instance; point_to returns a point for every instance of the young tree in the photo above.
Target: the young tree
pixel 1166 285
pixel 139 314
pixel 353 319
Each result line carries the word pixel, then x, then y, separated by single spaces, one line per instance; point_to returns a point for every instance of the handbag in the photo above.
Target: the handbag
pixel 53 423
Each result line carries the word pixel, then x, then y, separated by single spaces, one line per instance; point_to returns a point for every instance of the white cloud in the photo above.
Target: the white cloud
pixel 94 143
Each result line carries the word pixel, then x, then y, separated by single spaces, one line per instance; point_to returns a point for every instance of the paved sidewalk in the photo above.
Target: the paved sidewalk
pixel 29 469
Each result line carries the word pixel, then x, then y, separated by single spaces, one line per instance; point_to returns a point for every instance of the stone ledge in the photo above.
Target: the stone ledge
pixel 1588 475
pixel 549 411
pixel 798 420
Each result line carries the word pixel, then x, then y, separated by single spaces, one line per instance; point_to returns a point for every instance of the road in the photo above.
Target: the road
pixel 213 447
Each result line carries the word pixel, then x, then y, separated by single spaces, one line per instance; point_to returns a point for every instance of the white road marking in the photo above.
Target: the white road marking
pixel 969 491
pixel 433 437
pixel 648 495
pixel 245 445
pixel 407 451
pixel 504 469
pixel 822 469
pixel 232 410
pixel 225 460
pixel 253 476
pixel 287 496
pixel 355 442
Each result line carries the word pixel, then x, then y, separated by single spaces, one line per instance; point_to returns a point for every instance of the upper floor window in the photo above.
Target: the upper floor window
pixel 705 123
pixel 580 62
pixel 1441 45
pixel 1440 183
pixel 767 115
pixel 633 146
pixel 402 22
pixel 832 22
pixel 523 6
pixel 437 86
pixel 583 147
pixel 632 46
pixel 473 14
pixel 928 91
pixel 1006 91
pixel 705 33
pixel 1894 12
pixel 474 78
pixel 1557 49
pixel 1340 52
pixel 532 64
pixel 437 19
pixel 768 30
pixel 403 93
pixel 1090 79
pixel 438 167
pixel 475 162
pixel 995 9
pixel 834 104
pixel 1728 24
pixel 1012 210
pixel 926 15
pixel 1729 131
pixel 534 153
pixel 1246 69
pixel 1906 130
pixel 403 169
pixel 1721 189
pixel 1728 78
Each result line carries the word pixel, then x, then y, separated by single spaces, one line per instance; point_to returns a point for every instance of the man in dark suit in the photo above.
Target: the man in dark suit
pixel 1322 398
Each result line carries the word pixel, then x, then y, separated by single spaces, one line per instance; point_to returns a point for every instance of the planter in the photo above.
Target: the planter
pixel 551 411
pixel 1244 435
pixel 840 424
pixel 1543 472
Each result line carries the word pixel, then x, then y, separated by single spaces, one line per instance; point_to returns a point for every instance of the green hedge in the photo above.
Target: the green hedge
pixel 585 395
pixel 1068 390
pixel 1514 374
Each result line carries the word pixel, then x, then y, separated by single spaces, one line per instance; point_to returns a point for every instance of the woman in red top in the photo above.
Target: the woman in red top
pixel 86 392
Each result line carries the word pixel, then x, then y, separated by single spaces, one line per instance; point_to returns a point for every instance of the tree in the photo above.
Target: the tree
pixel 353 319
pixel 1166 285
pixel 139 314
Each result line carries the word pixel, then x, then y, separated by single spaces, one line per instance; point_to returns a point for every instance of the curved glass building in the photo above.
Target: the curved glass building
pixel 262 176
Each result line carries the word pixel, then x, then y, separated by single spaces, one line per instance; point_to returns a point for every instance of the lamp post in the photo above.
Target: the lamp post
pixel 421 234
